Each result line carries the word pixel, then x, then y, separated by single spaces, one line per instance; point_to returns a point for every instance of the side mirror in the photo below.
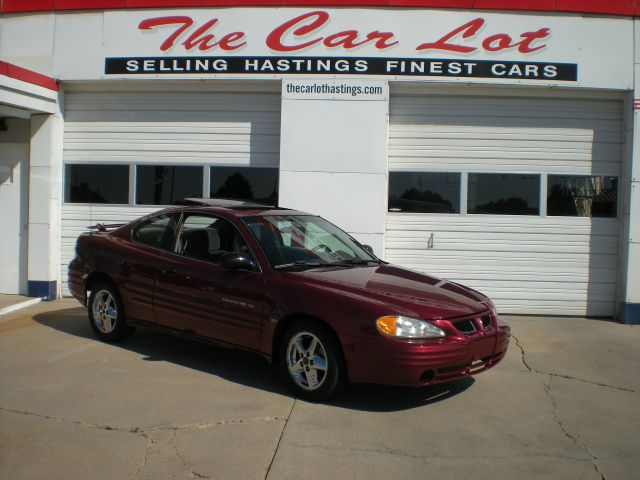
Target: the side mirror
pixel 368 248
pixel 237 261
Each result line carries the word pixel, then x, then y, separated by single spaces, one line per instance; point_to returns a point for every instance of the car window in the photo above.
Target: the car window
pixel 317 238
pixel 208 238
pixel 156 232
pixel 304 238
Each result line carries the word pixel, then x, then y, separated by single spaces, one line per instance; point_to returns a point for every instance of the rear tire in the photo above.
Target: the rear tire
pixel 311 361
pixel 106 313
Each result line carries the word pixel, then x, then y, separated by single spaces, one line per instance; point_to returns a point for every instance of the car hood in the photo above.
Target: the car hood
pixel 401 290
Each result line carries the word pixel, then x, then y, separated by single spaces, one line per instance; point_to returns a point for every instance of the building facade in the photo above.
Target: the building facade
pixel 491 143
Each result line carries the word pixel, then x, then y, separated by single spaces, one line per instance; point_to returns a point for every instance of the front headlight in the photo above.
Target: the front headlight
pixel 405 327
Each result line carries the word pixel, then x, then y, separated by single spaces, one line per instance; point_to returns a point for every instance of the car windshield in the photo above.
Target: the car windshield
pixel 304 241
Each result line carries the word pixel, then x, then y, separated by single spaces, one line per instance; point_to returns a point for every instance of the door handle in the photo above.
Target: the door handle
pixel 430 242
pixel 167 271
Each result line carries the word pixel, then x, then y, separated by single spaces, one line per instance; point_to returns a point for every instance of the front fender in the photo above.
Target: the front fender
pixel 346 313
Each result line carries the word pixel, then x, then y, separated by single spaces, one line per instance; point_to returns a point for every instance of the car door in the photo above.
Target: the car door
pixel 195 294
pixel 151 241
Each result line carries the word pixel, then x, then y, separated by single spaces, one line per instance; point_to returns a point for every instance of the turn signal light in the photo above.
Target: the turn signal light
pixel 387 325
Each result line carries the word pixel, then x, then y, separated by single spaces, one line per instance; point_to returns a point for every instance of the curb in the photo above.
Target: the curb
pixel 19 306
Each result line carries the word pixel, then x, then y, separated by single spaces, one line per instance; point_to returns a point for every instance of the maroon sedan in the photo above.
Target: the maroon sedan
pixel 290 286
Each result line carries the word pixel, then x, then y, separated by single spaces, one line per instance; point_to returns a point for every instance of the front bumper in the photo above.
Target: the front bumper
pixel 378 359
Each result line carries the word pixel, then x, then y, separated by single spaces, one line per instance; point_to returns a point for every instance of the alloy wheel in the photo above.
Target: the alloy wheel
pixel 307 361
pixel 105 311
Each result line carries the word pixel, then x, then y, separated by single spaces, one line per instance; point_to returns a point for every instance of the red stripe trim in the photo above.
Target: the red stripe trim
pixel 29 76
pixel 607 7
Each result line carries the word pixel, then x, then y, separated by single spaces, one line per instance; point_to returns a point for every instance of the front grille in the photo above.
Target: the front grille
pixel 465 326
pixel 471 325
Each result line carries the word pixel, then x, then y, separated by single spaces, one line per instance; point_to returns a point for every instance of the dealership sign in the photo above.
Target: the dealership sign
pixel 343 66
pixel 312 29
pixel 306 29
pixel 392 43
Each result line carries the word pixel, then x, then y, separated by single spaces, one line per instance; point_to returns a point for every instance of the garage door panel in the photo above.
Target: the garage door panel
pixel 128 104
pixel 543 295
pixel 505 134
pixel 162 127
pixel 498 223
pixel 515 248
pixel 243 146
pixel 150 133
pixel 570 139
pixel 528 264
pixel 507 239
pixel 445 236
pixel 575 272
pixel 608 132
pixel 498 150
pixel 518 109
pixel 542 290
pixel 556 166
pixel 492 152
pixel 176 158
pixel 559 308
pixel 573 265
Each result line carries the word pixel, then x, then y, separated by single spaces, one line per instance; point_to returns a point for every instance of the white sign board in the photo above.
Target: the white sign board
pixel 409 44
pixel 335 89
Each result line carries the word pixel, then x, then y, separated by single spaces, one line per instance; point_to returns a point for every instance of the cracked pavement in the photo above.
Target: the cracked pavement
pixel 562 405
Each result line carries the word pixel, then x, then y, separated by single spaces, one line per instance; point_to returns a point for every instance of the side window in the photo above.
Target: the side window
pixel 157 232
pixel 503 194
pixel 164 184
pixel 91 183
pixel 257 184
pixel 582 196
pixel 209 238
pixel 424 192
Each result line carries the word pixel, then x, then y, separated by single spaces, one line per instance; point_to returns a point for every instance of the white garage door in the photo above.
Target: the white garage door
pixel 513 196
pixel 119 143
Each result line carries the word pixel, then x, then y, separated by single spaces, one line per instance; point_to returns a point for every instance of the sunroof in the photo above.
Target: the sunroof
pixel 222 202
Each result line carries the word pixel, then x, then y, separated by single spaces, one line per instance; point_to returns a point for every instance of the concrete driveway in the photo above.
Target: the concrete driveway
pixel 564 404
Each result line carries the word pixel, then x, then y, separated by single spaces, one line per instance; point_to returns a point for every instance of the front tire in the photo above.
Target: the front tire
pixel 106 314
pixel 311 361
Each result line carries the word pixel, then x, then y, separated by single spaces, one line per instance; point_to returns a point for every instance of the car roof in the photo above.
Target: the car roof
pixel 239 210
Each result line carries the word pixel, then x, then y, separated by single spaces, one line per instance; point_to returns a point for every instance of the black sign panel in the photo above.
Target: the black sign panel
pixel 415 67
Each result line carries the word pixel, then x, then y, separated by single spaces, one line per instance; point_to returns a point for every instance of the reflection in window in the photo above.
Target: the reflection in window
pixel 96 183
pixel 245 183
pixel 426 192
pixel 156 232
pixel 164 184
pixel 504 194
pixel 582 196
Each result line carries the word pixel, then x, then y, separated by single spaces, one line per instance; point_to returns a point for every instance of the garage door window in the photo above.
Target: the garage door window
pixel 503 194
pixel 245 183
pixel 424 192
pixel 582 196
pixel 91 183
pixel 164 184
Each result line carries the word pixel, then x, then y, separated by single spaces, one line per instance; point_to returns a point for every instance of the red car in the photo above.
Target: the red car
pixel 290 286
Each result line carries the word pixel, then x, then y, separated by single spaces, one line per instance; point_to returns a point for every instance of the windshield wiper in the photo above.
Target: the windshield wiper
pixel 311 264
pixel 359 261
